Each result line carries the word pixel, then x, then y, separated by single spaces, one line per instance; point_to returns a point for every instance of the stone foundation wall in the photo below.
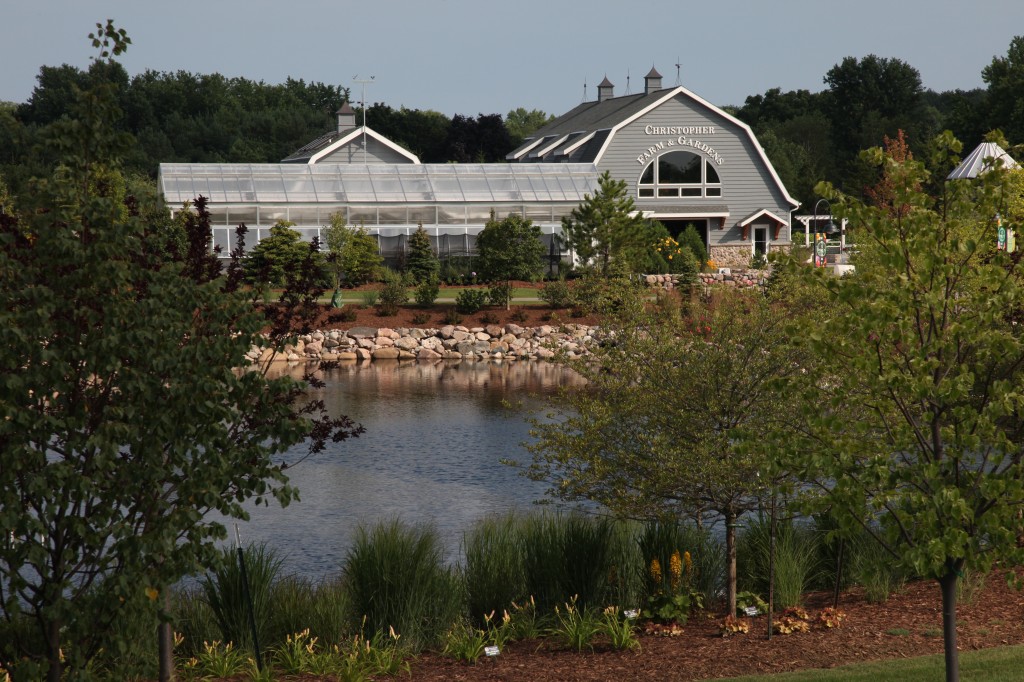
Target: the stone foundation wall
pixel 738 257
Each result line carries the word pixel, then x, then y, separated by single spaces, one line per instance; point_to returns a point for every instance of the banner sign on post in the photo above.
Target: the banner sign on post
pixel 820 249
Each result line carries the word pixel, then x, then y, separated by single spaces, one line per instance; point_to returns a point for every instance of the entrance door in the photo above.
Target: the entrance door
pixel 760 241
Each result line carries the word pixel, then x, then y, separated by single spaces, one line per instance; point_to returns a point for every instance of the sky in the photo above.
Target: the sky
pixel 475 57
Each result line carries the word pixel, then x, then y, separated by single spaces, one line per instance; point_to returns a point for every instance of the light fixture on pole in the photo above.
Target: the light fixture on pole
pixel 828 230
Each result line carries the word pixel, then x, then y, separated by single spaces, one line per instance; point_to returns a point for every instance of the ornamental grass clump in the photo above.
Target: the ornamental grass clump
pixel 494 574
pixel 396 577
pixel 225 592
pixel 568 556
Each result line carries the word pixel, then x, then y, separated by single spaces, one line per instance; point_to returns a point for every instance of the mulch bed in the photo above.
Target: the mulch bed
pixel 908 624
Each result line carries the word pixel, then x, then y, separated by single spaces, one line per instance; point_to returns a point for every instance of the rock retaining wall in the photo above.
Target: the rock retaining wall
pixel 724 277
pixel 493 342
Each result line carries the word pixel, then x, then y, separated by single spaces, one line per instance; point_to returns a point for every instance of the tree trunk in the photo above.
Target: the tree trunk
pixel 56 668
pixel 165 636
pixel 948 584
pixel 730 561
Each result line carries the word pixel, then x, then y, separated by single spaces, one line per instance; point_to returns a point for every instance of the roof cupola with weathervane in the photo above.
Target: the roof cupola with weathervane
pixel 652 81
pixel 346 117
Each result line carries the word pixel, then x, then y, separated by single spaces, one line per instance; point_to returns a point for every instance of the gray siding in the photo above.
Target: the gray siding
pixel 747 184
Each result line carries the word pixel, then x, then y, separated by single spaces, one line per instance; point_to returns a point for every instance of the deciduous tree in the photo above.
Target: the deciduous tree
pixel 510 249
pixel 672 416
pixel 127 426
pixel 916 431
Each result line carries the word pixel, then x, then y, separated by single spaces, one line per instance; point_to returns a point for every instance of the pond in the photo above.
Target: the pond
pixel 435 437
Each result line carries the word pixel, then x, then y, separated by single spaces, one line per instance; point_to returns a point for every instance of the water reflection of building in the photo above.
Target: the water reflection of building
pixel 684 160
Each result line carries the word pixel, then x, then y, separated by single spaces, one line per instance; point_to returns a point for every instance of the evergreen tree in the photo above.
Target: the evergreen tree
pixel 270 261
pixel 690 240
pixel 605 225
pixel 421 261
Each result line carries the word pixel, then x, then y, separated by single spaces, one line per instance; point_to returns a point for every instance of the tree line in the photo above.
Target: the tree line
pixel 808 136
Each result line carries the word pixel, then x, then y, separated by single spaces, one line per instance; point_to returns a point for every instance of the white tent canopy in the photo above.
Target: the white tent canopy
pixel 984 158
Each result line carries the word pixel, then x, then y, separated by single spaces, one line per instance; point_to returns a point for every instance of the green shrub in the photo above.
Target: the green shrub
pixel 370 297
pixel 427 291
pixel 557 294
pixel 500 294
pixel 470 301
pixel 451 316
pixel 392 296
pixel 397 578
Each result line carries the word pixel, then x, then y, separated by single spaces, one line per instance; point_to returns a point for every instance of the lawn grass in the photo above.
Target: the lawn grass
pixel 998 664
pixel 447 295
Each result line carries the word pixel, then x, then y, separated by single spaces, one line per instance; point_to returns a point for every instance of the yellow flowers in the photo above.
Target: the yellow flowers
pixel 152 593
pixel 675 570
pixel 655 571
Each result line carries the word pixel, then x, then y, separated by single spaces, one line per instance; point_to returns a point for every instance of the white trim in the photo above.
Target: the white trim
pixel 524 150
pixel 762 212
pixel 577 144
pixel 356 133
pixel 688 214
pixel 680 90
pixel 544 150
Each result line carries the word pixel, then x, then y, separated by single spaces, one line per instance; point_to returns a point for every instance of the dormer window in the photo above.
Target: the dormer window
pixel 679 174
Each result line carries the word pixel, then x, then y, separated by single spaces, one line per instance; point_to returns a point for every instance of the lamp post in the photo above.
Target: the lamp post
pixel 829 230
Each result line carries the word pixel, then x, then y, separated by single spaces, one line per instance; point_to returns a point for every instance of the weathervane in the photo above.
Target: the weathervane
pixel 362 102
pixel 678 65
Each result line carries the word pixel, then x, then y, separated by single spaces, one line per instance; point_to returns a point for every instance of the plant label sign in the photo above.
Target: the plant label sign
pixel 751 611
pixel 491 650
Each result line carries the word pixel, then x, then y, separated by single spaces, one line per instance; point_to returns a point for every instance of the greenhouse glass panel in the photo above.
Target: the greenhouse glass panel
pixel 447 189
pixel 307 233
pixel 303 215
pixel 359 189
pixel 422 215
pixel 451 215
pixel 477 215
pixel 504 188
pixel 242 214
pixel 362 216
pixel 222 238
pixel 417 188
pixel 218 215
pixel 538 214
pixel 392 215
pixel 475 188
pixel 269 215
pixel 388 188
pixel 328 210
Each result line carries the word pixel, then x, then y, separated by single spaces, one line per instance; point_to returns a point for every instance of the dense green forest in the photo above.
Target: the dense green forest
pixel 809 136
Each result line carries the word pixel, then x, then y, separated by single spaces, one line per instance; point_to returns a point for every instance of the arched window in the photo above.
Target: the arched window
pixel 679 174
